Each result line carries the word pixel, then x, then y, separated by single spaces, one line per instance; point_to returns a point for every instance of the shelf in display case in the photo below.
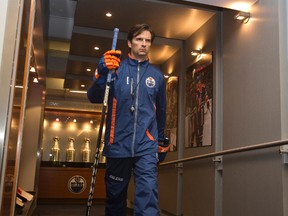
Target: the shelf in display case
pixel 70 164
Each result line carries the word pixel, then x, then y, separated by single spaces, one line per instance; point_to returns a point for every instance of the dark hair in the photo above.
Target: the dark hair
pixel 138 29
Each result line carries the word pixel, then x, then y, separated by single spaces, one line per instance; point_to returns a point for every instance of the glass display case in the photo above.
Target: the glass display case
pixel 69 138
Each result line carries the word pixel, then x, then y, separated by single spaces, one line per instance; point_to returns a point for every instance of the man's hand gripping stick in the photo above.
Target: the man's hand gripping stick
pixel 114 43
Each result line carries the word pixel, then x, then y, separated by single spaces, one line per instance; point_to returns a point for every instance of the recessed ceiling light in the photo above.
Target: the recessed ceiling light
pixel 96 48
pixel 82 85
pixel 108 14
pixel 88 69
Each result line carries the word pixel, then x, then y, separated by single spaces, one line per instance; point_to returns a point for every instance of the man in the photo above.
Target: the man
pixel 134 125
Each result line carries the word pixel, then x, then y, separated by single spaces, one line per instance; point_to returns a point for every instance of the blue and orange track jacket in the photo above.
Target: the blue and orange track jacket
pixel 138 86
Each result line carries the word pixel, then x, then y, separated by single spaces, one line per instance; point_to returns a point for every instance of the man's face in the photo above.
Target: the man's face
pixel 140 45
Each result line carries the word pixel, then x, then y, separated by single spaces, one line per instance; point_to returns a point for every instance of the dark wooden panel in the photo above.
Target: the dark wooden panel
pixel 53 183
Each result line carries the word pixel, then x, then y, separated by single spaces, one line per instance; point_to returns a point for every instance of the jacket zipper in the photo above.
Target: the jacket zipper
pixel 136 109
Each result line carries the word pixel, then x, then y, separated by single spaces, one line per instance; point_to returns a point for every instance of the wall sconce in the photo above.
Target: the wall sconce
pixel 196 52
pixel 242 16
pixel 166 76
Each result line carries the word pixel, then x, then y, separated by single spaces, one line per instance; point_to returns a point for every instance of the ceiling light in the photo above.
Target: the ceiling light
pixel 88 69
pixel 242 16
pixel 108 14
pixel 82 86
pixel 96 48
pixel 74 120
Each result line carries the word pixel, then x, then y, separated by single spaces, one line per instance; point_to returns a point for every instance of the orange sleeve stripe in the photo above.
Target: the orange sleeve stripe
pixel 149 135
pixel 113 118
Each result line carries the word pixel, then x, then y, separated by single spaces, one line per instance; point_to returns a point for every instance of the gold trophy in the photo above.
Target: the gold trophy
pixel 55 150
pixel 102 159
pixel 70 151
pixel 86 151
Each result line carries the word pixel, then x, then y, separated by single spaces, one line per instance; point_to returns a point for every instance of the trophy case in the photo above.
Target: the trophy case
pixel 67 155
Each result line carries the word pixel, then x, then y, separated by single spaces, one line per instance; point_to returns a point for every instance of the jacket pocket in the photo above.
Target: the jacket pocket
pixel 149 135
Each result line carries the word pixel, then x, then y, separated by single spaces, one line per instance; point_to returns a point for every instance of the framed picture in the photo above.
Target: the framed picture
pixel 172 111
pixel 198 102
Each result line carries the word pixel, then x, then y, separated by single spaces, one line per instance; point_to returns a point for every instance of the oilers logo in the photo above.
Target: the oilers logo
pixel 150 82
pixel 76 184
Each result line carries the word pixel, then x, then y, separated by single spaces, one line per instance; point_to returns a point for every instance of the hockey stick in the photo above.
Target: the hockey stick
pixel 104 107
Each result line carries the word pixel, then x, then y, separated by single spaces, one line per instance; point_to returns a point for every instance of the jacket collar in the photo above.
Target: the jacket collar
pixel 133 61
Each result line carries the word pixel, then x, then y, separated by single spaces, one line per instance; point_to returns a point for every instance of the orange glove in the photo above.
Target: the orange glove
pixel 112 59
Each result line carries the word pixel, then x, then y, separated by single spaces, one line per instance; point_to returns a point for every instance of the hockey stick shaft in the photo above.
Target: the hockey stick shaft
pixel 99 138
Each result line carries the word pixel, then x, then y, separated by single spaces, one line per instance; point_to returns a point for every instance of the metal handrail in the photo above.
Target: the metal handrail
pixel 230 151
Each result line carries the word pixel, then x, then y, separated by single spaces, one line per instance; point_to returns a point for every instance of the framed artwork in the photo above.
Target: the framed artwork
pixel 198 102
pixel 172 111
